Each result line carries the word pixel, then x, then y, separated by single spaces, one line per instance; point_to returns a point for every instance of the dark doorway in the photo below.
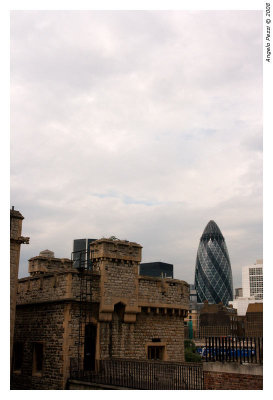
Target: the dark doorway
pixel 90 347
pixel 17 356
pixel 119 309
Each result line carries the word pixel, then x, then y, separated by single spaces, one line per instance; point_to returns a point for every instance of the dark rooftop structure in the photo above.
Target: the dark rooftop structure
pixel 81 252
pixel 157 269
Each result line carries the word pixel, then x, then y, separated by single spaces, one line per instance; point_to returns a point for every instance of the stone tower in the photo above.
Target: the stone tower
pixel 118 262
pixel 16 240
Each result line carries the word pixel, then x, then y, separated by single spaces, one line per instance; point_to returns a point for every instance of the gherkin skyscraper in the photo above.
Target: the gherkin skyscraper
pixel 213 276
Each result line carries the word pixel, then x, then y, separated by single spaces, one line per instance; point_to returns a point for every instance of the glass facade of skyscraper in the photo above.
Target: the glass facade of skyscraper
pixel 213 276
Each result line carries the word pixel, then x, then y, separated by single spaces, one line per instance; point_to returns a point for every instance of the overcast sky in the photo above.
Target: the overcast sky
pixel 139 124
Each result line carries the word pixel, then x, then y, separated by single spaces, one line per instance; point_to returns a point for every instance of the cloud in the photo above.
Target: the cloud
pixel 140 124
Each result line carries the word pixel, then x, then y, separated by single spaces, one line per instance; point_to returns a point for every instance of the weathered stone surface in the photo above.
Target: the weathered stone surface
pixel 129 312
pixel 16 240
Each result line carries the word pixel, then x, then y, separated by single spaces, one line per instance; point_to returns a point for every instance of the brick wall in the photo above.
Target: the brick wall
pixel 215 331
pixel 254 324
pixel 232 376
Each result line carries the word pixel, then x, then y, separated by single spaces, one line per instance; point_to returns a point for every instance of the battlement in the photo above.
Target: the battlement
pixel 163 293
pixel 114 279
pixel 46 262
pixel 116 250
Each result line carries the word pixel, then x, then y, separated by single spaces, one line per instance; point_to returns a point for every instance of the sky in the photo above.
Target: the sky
pixel 144 125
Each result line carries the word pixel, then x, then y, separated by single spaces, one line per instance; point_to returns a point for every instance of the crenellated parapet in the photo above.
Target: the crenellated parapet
pixel 170 296
pixel 102 310
pixel 114 279
pixel 43 264
pixel 118 263
pixel 116 250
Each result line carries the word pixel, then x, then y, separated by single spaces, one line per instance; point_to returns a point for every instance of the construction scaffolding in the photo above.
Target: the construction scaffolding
pixel 83 262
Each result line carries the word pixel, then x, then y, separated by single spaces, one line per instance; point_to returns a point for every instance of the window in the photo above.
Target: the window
pixel 38 354
pixel 17 356
pixel 155 352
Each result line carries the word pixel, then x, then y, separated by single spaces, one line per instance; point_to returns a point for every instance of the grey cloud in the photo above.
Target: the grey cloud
pixel 142 125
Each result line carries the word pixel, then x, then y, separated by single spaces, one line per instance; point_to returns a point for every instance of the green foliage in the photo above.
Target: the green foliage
pixel 192 357
pixel 189 344
pixel 190 351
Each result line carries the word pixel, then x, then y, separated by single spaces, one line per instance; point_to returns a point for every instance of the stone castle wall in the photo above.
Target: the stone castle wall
pixel 164 292
pixel 131 341
pixel 40 324
pixel 54 287
pixel 43 264
pixel 129 313
pixel 119 283
pixel 16 240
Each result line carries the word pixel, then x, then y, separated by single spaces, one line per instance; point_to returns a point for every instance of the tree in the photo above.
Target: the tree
pixel 190 351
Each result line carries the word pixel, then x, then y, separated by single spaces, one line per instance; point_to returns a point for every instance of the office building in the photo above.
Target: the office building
pixel 254 320
pixel 238 293
pixel 241 304
pixel 217 320
pixel 193 296
pixel 252 280
pixel 81 253
pixel 157 269
pixel 213 276
pixel 252 290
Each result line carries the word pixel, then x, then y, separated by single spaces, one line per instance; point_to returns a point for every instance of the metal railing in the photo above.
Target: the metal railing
pixel 229 349
pixel 143 375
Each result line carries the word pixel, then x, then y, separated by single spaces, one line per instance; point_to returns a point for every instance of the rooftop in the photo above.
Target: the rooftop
pixel 212 230
pixel 255 307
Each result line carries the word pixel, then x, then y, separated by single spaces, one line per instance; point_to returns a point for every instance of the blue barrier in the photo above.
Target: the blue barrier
pixel 222 351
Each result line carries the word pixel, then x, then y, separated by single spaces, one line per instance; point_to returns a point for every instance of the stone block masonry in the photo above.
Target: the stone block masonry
pixel 40 324
pixel 16 240
pixel 123 316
